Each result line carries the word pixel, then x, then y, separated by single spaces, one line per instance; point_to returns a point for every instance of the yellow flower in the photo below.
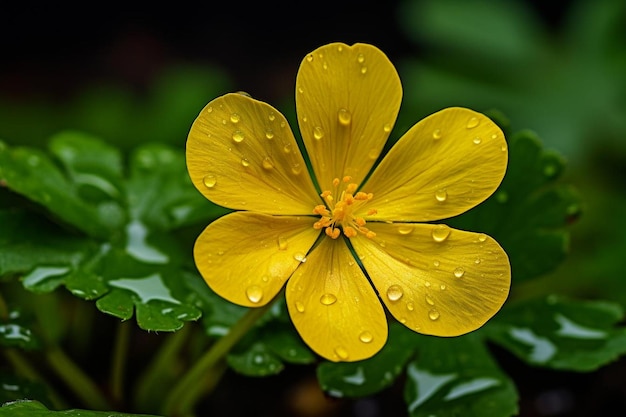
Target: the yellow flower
pixel 358 239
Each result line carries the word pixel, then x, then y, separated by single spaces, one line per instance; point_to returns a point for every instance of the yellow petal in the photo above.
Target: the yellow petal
pixel 333 305
pixel 347 100
pixel 444 165
pixel 247 257
pixel 241 154
pixel 434 279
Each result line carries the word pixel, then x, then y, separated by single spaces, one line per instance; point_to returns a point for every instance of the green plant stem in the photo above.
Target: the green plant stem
pixel 118 365
pixel 23 368
pixel 183 397
pixel 76 379
pixel 160 372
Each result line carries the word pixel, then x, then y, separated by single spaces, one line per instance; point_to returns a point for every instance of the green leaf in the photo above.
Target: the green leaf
pixel 457 377
pixel 15 331
pixel 27 408
pixel 12 387
pixel 257 360
pixel 530 212
pixel 356 379
pixel 35 175
pixel 561 333
pixel 132 268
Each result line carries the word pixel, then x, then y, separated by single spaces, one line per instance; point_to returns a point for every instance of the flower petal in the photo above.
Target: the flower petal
pixel 241 154
pixel 434 279
pixel 444 165
pixel 247 257
pixel 347 100
pixel 333 305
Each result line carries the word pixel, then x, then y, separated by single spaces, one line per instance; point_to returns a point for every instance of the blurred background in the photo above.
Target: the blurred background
pixel 131 74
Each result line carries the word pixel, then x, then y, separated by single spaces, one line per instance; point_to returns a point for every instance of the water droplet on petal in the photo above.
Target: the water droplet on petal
pixel 299 256
pixel 482 237
pixel 477 261
pixel 477 140
pixel 309 57
pixel 440 232
pixel 437 134
pixel 296 169
pixel 328 299
pixel 299 307
pixel 245 162
pixel 405 229
pixel 441 195
pixel 287 148
pixel 436 264
pixel 363 70
pixel 433 314
pixel 373 154
pixel 459 272
pixel 269 133
pixel 430 301
pixel 344 117
pixel 341 352
pixel 394 292
pixel 271 117
pixel 238 136
pixel 254 293
pixel 366 337
pixel 234 118
pixel 318 132
pixel 410 306
pixel 472 123
pixel 387 127
pixel 267 163
pixel 209 110
pixel 209 181
pixel 282 243
pixel 360 58
pixel 442 287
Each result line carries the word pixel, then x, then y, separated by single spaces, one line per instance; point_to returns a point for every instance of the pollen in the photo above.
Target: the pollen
pixel 340 215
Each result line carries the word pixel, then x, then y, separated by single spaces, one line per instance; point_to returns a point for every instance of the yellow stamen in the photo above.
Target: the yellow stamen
pixel 338 216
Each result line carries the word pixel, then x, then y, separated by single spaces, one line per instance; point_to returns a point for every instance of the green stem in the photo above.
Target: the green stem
pixel 183 397
pixel 76 379
pixel 23 367
pixel 160 372
pixel 118 365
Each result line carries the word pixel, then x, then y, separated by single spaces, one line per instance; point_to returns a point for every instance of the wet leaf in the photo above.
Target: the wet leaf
pixel 257 360
pixel 457 377
pixel 530 212
pixel 13 388
pixel 27 408
pixel 356 379
pixel 561 333
pixel 128 259
pixel 16 332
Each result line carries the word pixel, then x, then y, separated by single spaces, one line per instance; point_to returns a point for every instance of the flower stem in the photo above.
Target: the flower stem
pixel 118 365
pixel 76 379
pixel 161 371
pixel 183 397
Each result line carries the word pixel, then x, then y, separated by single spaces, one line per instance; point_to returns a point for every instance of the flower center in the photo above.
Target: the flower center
pixel 340 215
